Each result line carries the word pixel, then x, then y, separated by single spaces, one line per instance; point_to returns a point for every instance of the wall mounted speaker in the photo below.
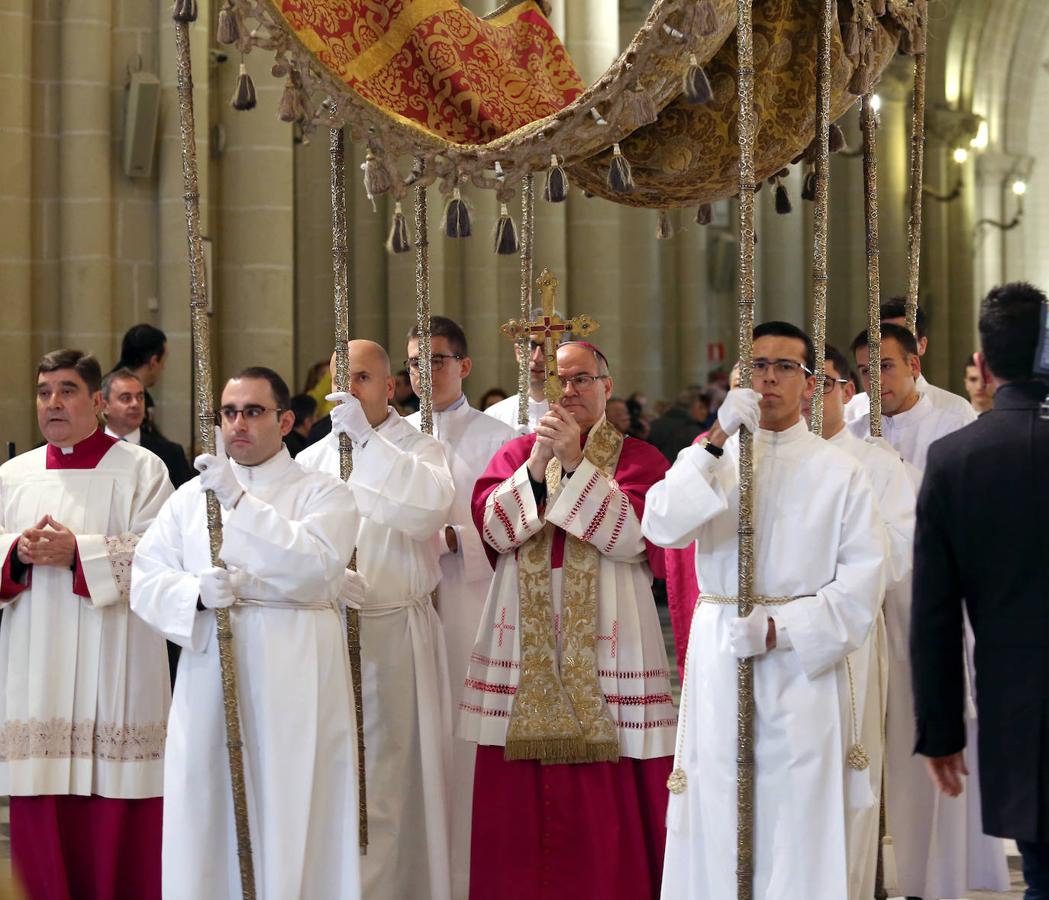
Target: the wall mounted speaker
pixel 140 124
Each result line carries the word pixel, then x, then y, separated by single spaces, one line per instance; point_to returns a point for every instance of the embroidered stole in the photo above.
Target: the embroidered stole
pixel 562 717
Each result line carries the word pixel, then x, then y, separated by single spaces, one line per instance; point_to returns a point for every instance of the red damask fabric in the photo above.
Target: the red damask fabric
pixel 437 66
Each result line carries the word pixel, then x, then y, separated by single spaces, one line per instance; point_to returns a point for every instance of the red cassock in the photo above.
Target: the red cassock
pixel 584 830
pixel 80 847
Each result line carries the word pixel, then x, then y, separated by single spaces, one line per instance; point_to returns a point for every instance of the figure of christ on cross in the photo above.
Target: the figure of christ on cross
pixel 549 327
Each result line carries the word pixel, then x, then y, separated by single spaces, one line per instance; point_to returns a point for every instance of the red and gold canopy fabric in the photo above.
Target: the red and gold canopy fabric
pixel 438 67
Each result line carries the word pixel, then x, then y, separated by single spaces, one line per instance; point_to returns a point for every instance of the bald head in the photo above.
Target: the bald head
pixel 371 379
pixel 368 355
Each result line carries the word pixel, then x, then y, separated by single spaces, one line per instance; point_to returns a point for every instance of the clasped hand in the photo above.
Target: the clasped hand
pixel 48 543
pixel 557 435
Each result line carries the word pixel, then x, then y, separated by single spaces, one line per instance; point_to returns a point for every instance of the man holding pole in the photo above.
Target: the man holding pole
pixel 288 535
pixel 819 550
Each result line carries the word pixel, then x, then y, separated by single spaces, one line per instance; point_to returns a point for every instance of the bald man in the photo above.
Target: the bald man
pixel 403 490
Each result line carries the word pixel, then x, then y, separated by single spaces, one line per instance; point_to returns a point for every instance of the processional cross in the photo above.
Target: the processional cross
pixel 550 326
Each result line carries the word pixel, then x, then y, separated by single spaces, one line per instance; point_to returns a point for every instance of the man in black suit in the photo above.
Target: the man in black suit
pixel 981 539
pixel 124 408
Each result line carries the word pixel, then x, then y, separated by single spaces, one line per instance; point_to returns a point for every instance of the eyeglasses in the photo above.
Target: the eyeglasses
pixel 581 382
pixel 784 367
pixel 829 381
pixel 436 361
pixel 250 413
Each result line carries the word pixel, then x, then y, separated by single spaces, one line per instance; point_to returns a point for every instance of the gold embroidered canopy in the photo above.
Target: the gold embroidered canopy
pixel 486 100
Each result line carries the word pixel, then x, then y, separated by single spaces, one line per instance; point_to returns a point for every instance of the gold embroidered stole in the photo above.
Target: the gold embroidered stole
pixel 562 717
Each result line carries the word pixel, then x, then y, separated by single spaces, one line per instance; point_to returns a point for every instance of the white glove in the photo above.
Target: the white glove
pixel 747 635
pixel 216 589
pixel 216 475
pixel 354 589
pixel 740 408
pixel 348 417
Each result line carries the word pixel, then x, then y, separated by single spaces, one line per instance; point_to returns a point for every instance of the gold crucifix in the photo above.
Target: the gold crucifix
pixel 550 327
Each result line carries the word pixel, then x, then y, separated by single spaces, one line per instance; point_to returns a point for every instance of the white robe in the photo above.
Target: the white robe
pixel 403 489
pixel 860 405
pixel 912 432
pixel 508 410
pixel 290 538
pixel 941 850
pixel 85 690
pixel 871 664
pixel 470 439
pixel 817 537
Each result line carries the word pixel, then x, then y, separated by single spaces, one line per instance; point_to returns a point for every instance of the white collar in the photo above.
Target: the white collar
pixel 272 470
pixel 912 416
pixel 796 432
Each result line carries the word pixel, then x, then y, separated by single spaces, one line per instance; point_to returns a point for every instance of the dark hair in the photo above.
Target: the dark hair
pixel 907 341
pixel 121 374
pixel 141 343
pixel 896 308
pixel 1009 325
pixel 785 329
pixel 84 364
pixel 304 406
pixel 277 384
pixel 970 363
pixel 493 392
pixel 442 326
pixel 837 359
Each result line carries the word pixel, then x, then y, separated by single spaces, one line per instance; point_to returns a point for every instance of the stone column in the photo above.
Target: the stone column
pixel 19 213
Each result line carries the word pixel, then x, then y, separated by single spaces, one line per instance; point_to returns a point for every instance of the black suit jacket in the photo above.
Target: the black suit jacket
pixel 981 535
pixel 673 431
pixel 172 454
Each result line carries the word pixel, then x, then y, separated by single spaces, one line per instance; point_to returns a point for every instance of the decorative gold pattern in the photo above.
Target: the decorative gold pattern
pixel 340 267
pixel 204 404
pixel 869 125
pixel 524 348
pixel 563 719
pixel 84 739
pixel 819 210
pixel 857 758
pixel 689 156
pixel 914 223
pixel 745 667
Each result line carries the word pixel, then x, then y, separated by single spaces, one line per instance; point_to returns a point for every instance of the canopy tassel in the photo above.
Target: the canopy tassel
pixel 457 217
pixel 808 190
pixel 506 243
pixel 783 204
pixel 556 188
pixel 620 178
pixel 244 96
pixel 665 229
pixel 696 88
pixel 376 177
pixel 290 109
pixel 227 31
pixel 704 214
pixel 639 106
pixel 398 241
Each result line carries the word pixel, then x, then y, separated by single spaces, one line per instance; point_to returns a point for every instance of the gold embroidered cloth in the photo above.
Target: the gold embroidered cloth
pixel 435 65
pixel 562 717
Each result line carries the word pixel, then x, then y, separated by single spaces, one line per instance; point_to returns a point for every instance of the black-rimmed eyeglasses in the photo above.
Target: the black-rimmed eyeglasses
pixel 437 361
pixel 251 413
